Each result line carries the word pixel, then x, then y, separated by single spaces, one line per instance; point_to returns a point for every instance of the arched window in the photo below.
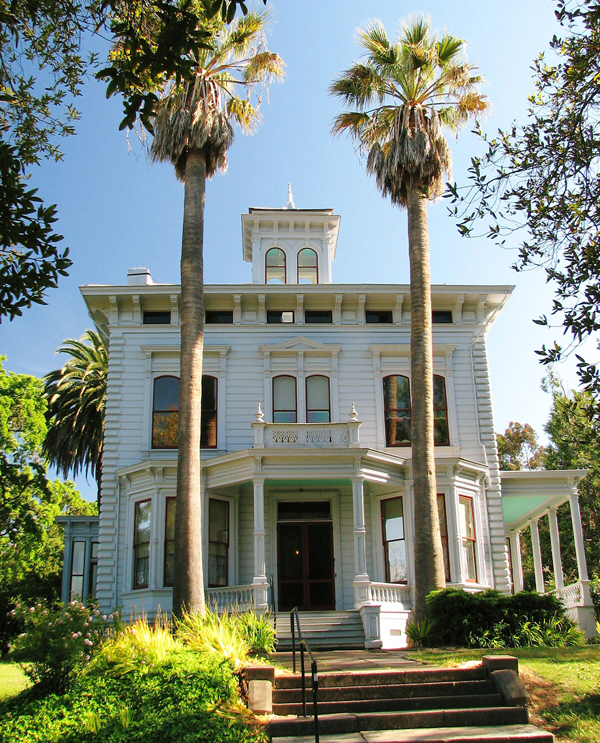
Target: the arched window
pixel 440 412
pixel 308 267
pixel 208 419
pixel 396 402
pixel 317 399
pixel 165 413
pixel 275 266
pixel 284 400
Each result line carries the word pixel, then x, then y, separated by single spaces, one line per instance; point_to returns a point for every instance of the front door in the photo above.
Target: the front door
pixel 305 565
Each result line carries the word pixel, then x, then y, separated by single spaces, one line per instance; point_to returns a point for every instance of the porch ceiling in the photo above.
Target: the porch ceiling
pixel 529 495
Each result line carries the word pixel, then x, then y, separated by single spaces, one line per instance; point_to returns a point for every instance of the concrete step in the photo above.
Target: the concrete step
pixel 387 691
pixel 390 705
pixel 479 734
pixel 379 678
pixel 337 724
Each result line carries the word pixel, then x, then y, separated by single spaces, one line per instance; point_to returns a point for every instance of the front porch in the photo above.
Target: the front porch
pixel 529 497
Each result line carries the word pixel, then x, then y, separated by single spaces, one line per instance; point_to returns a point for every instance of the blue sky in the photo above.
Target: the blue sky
pixel 116 210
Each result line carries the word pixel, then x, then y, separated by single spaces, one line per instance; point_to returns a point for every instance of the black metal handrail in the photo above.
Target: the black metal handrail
pixel 295 619
pixel 272 605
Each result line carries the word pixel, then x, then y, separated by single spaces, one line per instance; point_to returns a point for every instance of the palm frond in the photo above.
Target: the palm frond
pixel 243 113
pixel 351 121
pixel 263 65
pixel 448 49
pixel 416 29
pixel 359 86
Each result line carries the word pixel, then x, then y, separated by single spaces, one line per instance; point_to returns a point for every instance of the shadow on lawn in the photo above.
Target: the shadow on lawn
pixel 563 713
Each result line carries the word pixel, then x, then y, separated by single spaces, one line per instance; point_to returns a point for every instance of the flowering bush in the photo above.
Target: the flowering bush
pixel 58 641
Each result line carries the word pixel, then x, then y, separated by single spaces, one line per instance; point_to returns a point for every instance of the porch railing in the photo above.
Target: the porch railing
pixel 314 673
pixel 230 598
pixel 572 596
pixel 390 593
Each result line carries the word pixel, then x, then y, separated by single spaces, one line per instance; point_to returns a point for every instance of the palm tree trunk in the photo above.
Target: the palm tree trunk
pixel 188 584
pixel 429 563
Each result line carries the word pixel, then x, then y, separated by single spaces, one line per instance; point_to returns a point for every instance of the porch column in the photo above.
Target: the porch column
pixel 516 561
pixel 578 537
pixel 537 556
pixel 259 581
pixel 361 577
pixel 555 543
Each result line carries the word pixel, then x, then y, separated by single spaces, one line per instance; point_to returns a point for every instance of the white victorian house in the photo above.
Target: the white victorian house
pixel 306 443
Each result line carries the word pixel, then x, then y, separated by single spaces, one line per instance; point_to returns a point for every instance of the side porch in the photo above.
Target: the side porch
pixel 529 497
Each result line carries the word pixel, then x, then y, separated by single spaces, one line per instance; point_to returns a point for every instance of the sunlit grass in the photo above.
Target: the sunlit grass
pixel 12 680
pixel 564 685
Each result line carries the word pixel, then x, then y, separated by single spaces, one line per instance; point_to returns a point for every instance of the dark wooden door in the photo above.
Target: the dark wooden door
pixel 305 566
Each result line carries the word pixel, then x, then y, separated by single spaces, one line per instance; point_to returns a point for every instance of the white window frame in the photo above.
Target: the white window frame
pixel 409 531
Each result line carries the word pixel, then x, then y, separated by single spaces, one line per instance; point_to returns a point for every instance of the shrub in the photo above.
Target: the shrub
pixel 494 620
pixel 214 633
pixel 138 647
pixel 422 633
pixel 58 641
pixel 191 698
pixel 257 632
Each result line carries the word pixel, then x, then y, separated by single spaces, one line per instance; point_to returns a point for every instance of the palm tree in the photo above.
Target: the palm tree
pixel 76 397
pixel 193 130
pixel 404 93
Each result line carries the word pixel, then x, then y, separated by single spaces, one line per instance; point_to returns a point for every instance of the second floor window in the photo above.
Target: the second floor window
pixel 318 409
pixel 397 411
pixel 308 267
pixel 165 413
pixel 275 266
pixel 284 400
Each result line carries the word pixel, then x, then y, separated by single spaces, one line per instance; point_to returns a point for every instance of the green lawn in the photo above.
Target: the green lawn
pixel 564 684
pixel 12 680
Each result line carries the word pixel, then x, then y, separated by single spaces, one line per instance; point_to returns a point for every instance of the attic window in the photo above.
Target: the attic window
pixel 280 316
pixel 441 316
pixel 379 316
pixel 214 317
pixel 157 318
pixel 318 316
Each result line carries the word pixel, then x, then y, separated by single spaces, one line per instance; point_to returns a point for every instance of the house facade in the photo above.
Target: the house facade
pixel 306 452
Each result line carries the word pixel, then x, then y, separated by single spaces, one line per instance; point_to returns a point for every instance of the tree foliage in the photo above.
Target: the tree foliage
pixel 76 399
pixel 518 448
pixel 31 544
pixel 537 184
pixel 43 65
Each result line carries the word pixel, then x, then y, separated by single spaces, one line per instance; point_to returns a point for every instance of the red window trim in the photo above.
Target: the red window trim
pixel 215 411
pixel 294 410
pixel 445 409
pixel 154 410
pixel 228 503
pixel 275 247
pixel 298 264
pixel 386 410
pixel 165 583
pixel 136 544
pixel 319 410
pixel 445 546
pixel 473 539
pixel 384 540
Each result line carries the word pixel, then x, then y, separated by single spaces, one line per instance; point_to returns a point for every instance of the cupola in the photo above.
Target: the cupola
pixel 290 245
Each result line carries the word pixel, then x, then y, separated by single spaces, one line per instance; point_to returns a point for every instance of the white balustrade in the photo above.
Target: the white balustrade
pixel 230 598
pixel 390 593
pixel 571 596
pixel 309 435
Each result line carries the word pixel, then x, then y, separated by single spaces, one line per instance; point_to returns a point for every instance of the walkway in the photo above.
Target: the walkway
pixel 349 660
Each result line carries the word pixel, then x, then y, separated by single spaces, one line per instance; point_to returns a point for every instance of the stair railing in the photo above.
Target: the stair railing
pixel 304 645
pixel 272 604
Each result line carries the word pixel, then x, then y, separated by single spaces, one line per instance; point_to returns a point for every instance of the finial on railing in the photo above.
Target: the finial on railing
pixel 290 198
pixel 353 413
pixel 259 415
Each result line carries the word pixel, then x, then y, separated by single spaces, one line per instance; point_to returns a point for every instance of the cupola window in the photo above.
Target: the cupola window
pixel 308 271
pixel 275 266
